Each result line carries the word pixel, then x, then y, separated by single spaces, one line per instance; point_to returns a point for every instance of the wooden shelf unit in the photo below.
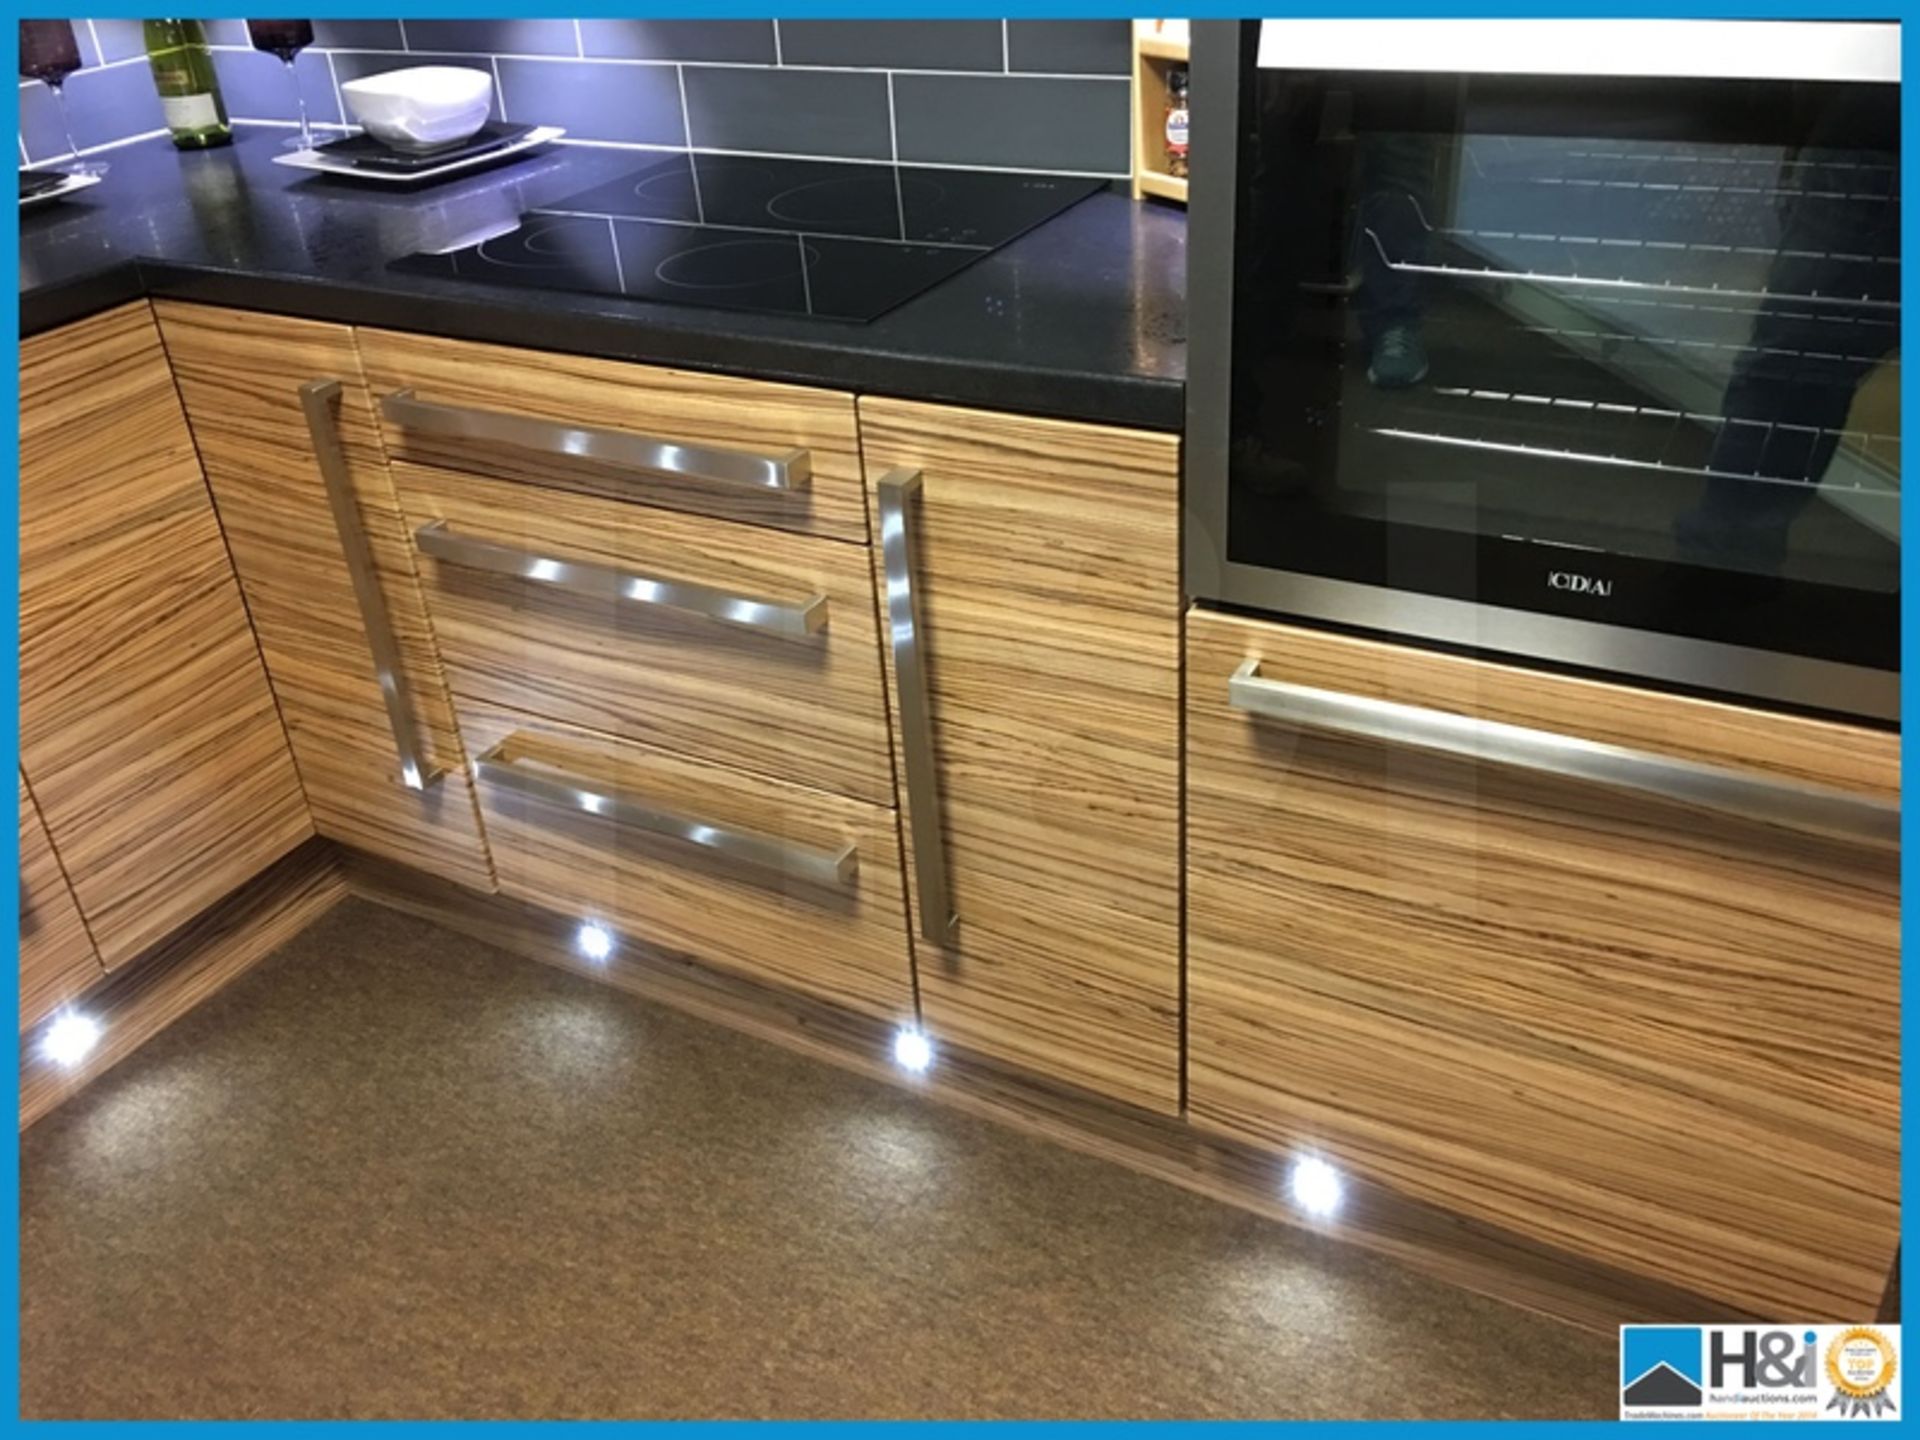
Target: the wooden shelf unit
pixel 1159 46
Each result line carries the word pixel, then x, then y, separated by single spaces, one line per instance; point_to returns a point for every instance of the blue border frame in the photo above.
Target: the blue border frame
pixel 1906 10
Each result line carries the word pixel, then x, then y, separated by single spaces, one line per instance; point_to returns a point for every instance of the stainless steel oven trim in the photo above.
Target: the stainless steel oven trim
pixel 1213 191
pixel 1634 655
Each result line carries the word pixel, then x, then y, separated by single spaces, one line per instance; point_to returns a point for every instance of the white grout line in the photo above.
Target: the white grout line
pixel 99 50
pixel 686 115
pixel 25 159
pixel 686 133
pixel 1006 50
pixel 333 78
pixel 579 43
pixel 98 149
pixel 745 229
pixel 641 147
pixel 893 144
pixel 653 149
pixel 499 90
pixel 312 124
pixel 646 146
pixel 613 235
pixel 403 34
pixel 893 126
pixel 708 64
pixel 806 285
pixel 777 60
pixel 921 70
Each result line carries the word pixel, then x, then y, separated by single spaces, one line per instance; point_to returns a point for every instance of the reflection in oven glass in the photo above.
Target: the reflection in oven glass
pixel 1681 351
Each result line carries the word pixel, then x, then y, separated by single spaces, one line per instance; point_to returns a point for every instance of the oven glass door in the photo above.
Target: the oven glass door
pixel 1623 349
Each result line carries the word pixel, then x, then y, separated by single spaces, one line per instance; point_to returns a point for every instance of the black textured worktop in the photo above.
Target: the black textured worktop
pixel 1084 317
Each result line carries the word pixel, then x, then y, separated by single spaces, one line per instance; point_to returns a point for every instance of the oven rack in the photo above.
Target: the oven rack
pixel 1659 343
pixel 1667 348
pixel 1702 163
pixel 1716 176
pixel 1837 318
pixel 1664 188
pixel 1626 413
pixel 1653 412
pixel 1762 295
pixel 1694 157
pixel 1857 492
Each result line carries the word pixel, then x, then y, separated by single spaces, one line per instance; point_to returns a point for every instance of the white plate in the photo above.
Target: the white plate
pixel 325 164
pixel 66 187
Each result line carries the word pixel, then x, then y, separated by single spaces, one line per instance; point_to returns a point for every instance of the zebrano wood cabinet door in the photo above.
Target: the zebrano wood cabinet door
pixel 1648 1033
pixel 57 958
pixel 241 376
pixel 146 723
pixel 1044 565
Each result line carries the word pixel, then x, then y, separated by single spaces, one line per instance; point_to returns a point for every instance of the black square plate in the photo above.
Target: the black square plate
pixel 363 152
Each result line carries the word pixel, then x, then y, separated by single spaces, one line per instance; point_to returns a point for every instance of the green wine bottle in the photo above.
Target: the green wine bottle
pixel 189 90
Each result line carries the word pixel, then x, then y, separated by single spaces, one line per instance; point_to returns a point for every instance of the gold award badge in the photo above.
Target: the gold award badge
pixel 1860 1363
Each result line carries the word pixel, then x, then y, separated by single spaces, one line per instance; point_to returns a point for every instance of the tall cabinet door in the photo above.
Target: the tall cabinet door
pixel 146 722
pixel 1640 1003
pixel 399 791
pixel 57 958
pixel 1039 560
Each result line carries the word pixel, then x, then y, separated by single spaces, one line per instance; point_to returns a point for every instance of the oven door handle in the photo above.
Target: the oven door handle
pixel 1787 803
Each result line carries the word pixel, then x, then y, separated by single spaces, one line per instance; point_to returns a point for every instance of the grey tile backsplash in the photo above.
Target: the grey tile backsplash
pixel 743 42
pixel 1020 94
pixel 801 112
pixel 895 44
pixel 1012 120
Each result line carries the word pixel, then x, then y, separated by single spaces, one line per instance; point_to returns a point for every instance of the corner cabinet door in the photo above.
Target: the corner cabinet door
pixel 1658 1034
pixel 241 376
pixel 1039 560
pixel 146 722
pixel 57 958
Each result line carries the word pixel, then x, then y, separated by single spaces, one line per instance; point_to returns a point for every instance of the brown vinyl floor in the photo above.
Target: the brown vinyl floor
pixel 392 1172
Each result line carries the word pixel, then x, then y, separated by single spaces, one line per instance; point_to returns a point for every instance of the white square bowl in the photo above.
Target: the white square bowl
pixel 422 108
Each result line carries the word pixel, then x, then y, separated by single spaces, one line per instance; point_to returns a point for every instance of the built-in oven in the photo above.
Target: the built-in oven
pixel 1569 340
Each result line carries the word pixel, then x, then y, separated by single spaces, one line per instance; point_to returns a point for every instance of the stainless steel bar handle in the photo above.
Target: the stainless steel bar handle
pixel 317 399
pixel 604 582
pixel 643 453
pixel 505 769
pixel 899 496
pixel 1711 787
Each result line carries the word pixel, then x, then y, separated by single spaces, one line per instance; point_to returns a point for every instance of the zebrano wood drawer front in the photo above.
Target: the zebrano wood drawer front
pixel 781 883
pixel 718 640
pixel 1661 1035
pixel 781 455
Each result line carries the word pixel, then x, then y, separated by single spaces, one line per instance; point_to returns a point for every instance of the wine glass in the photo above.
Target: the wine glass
pixel 286 39
pixel 49 53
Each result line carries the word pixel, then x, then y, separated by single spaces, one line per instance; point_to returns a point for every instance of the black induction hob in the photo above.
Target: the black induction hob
pixel 803 237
